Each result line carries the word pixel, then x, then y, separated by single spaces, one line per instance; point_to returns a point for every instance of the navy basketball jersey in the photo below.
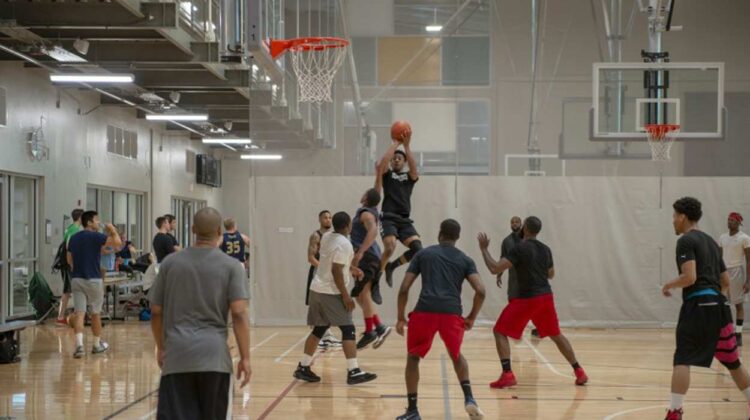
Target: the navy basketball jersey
pixel 234 246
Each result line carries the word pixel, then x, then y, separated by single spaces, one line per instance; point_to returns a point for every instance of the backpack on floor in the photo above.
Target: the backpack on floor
pixel 8 347
pixel 40 295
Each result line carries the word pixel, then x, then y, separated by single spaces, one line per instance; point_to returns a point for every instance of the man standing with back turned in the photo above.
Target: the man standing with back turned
pixel 191 298
pixel 443 269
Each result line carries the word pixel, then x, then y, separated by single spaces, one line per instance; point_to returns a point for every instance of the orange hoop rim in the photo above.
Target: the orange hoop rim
pixel 311 43
pixel 658 131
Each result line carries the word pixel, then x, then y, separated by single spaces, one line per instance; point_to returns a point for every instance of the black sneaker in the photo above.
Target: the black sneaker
pixel 389 274
pixel 382 331
pixel 304 373
pixel 410 415
pixel 358 376
pixel 367 339
pixel 738 336
pixel 375 291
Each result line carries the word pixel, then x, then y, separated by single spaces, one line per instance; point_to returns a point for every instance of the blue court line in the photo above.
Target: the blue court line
pixel 446 394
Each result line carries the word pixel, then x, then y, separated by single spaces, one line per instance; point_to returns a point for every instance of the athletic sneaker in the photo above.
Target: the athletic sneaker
pixel 389 274
pixel 581 377
pixel 101 348
pixel 359 376
pixel 472 409
pixel 304 373
pixel 61 322
pixel 79 352
pixel 382 331
pixel 506 379
pixel 375 292
pixel 410 415
pixel 367 339
pixel 738 336
pixel 329 341
pixel 674 414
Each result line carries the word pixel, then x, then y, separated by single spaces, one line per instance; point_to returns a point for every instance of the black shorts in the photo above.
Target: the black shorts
pixel 370 265
pixel 310 276
pixel 194 395
pixel 704 331
pixel 395 225
pixel 66 281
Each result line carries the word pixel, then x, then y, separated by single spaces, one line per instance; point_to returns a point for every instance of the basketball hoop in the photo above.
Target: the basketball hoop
pixel 315 61
pixel 660 138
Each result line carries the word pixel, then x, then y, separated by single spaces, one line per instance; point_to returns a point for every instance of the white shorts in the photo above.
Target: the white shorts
pixel 736 285
pixel 88 291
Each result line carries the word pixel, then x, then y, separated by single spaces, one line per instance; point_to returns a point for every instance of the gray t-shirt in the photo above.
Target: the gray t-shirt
pixel 195 287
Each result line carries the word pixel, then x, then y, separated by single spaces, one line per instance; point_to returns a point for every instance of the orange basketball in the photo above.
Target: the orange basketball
pixel 398 129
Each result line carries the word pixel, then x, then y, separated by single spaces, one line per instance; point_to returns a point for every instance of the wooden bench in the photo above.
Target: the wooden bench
pixel 15 328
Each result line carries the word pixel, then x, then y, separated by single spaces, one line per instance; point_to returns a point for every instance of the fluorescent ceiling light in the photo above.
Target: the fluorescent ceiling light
pixel 433 28
pixel 220 140
pixel 92 78
pixel 62 55
pixel 261 157
pixel 177 117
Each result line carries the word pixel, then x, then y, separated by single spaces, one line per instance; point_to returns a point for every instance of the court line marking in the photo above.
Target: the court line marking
pixel 148 416
pixel 289 350
pixel 285 391
pixel 264 341
pixel 446 393
pixel 652 407
pixel 122 410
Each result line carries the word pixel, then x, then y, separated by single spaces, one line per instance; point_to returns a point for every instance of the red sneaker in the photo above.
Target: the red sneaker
pixel 61 322
pixel 674 414
pixel 506 379
pixel 581 377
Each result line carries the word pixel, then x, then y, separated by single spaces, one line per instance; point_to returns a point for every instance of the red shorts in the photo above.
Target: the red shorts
pixel 518 313
pixel 424 325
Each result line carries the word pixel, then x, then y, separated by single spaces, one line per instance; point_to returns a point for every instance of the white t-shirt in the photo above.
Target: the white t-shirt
pixel 334 248
pixel 733 248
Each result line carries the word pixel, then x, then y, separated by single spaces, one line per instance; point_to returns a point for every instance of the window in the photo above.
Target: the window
pixel 121 208
pixel 411 17
pixel 184 209
pixel 18 243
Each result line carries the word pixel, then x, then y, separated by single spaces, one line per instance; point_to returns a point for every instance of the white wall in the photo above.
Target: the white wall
pixel 72 137
pixel 613 246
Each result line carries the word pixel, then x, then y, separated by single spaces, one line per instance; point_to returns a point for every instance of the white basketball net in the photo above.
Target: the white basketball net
pixel 660 138
pixel 315 69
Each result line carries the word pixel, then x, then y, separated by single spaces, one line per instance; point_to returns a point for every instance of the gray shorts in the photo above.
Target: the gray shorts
pixel 736 284
pixel 89 291
pixel 327 310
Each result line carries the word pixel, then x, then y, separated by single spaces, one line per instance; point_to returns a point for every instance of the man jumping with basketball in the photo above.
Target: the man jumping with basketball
pixel 367 258
pixel 443 269
pixel 397 186
pixel 704 328
pixel 534 267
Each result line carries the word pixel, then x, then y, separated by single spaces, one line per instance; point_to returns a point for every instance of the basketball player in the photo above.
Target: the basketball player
pixel 313 257
pixel 534 266
pixel 330 303
pixel 704 328
pixel 508 244
pixel 74 228
pixel 233 242
pixel 735 250
pixel 367 258
pixel 443 269
pixel 397 186
pixel 163 243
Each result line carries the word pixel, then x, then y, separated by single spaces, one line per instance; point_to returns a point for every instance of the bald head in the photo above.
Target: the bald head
pixel 207 224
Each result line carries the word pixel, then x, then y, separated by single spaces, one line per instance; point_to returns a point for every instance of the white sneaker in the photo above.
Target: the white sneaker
pixel 79 352
pixel 473 410
pixel 101 348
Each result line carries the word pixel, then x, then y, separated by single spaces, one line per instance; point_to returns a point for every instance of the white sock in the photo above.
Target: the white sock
pixel 352 363
pixel 306 360
pixel 746 391
pixel 79 339
pixel 675 401
pixel 738 329
pixel 97 340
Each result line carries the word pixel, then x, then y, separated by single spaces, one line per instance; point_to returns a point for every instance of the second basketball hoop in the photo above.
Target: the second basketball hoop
pixel 315 61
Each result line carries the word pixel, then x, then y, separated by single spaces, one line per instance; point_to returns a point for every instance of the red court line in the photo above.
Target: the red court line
pixel 283 393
